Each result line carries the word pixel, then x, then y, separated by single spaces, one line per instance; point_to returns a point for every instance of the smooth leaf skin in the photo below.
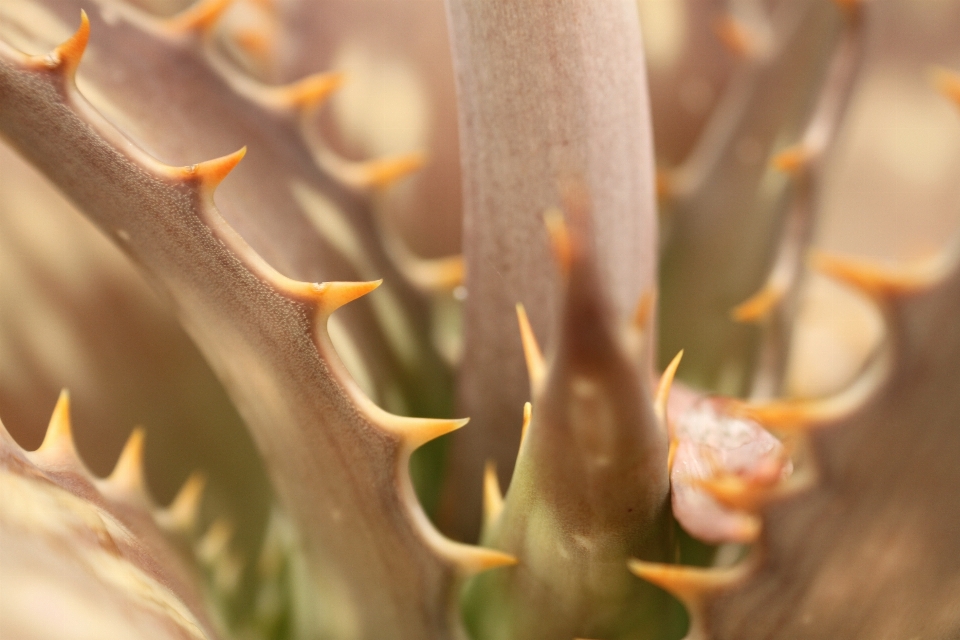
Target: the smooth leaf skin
pixel 576 108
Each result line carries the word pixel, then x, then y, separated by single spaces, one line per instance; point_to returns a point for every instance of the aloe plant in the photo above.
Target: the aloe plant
pixel 635 506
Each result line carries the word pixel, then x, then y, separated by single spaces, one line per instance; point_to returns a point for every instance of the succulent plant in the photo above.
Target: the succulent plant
pixel 635 506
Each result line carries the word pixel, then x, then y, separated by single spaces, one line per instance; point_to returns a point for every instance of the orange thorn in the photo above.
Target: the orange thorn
pixel 947 82
pixel 736 36
pixel 527 414
pixel 380 174
pixel 472 560
pixel 492 494
pixel 663 389
pixel 688 584
pixel 182 514
pixel 559 239
pixel 66 57
pixel 254 41
pixel 127 474
pixel 757 307
pixel 309 92
pixel 672 452
pixel 201 16
pixel 734 492
pixel 59 436
pixel 212 172
pixel 536 367
pixel 644 311
pixel 792 160
pixel 873 280
pixel 330 296
pixel 785 415
pixel 416 432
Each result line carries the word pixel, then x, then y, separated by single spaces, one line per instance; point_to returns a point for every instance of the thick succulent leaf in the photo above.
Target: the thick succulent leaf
pixel 591 486
pixel 265 335
pixel 90 557
pixel 577 108
pixel 856 550
pixel 75 313
pixel 727 200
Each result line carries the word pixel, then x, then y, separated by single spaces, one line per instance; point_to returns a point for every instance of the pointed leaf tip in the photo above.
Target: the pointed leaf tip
pixel 536 367
pixel 66 57
pixel 200 17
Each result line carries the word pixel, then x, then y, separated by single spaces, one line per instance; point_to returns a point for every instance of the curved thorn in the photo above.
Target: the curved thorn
pixel 127 477
pixel 381 173
pixel 59 437
pixel 758 307
pixel 416 432
pixel 793 160
pixel 492 495
pixel 559 239
pixel 784 415
pixel 734 492
pixel 872 280
pixel 947 82
pixel 66 57
pixel 527 414
pixel 212 172
pixel 471 560
pixel 663 389
pixel 181 515
pixel 330 296
pixel 215 541
pixel 200 17
pixel 688 584
pixel 309 92
pixel 536 367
